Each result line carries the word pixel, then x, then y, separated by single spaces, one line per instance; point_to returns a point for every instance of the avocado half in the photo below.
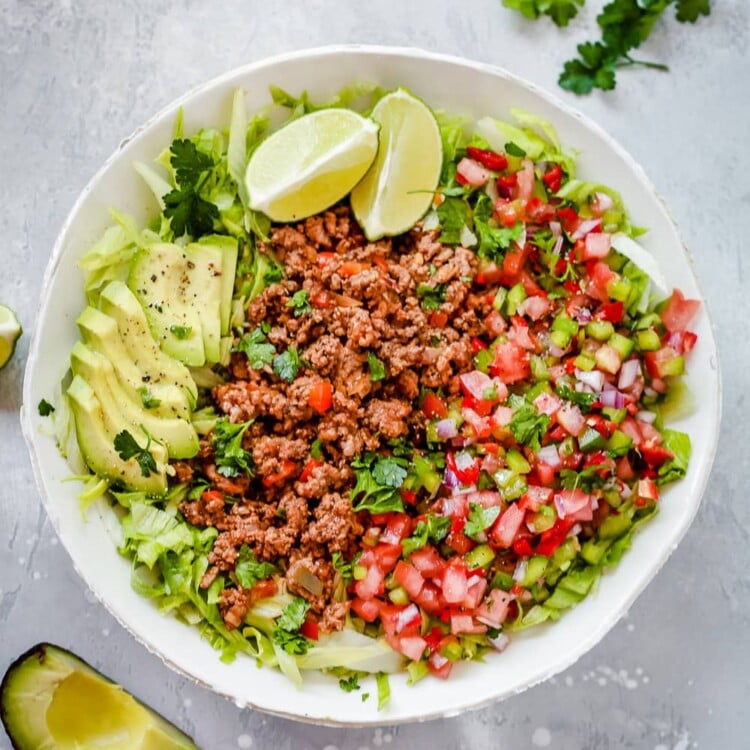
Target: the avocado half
pixel 52 700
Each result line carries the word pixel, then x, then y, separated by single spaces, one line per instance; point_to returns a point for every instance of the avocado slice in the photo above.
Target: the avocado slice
pixel 101 333
pixel 96 429
pixel 52 700
pixel 120 303
pixel 178 435
pixel 186 293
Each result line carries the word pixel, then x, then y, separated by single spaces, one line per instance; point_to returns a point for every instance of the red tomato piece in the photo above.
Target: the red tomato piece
pixel 409 577
pixel 434 407
pixel 488 159
pixel 310 466
pixel 287 470
pixel 320 397
pixel 679 311
pixel 511 363
pixel 552 178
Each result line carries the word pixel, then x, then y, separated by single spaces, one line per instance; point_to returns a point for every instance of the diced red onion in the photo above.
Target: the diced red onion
pixel 594 379
pixel 603 203
pixel 491 189
pixel 571 419
pixel 597 245
pixel 556 351
pixel 473 172
pixel 556 229
pixel 446 428
pixel 475 383
pixel 584 228
pixel 646 416
pixel 576 530
pixel 520 572
pixel 612 398
pixel 628 374
pixel 500 643
pixel 557 248
pixel 549 455
pixel 583 315
pixel 450 480
pixel 559 505
pixel 406 616
pixel 625 492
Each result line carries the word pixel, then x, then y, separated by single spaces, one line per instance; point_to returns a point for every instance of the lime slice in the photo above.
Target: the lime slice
pixel 310 164
pixel 10 330
pixel 398 189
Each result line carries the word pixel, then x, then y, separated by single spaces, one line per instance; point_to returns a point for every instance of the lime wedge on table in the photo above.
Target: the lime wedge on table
pixel 10 330
pixel 398 189
pixel 310 164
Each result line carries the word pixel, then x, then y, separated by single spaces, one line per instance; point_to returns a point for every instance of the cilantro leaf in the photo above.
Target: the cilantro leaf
pixel 580 398
pixel 376 367
pixel 528 426
pixel 347 684
pixel 226 442
pixel 379 479
pixel 453 214
pixel 345 568
pixel 514 150
pixel 435 529
pixel 492 239
pixel 45 408
pixel 560 11
pixel 180 332
pixel 256 347
pixel 480 518
pixel 689 10
pixel 286 365
pixel 300 303
pixel 286 633
pixel 127 448
pixel 184 206
pixel 432 296
pixel 148 399
pixel 316 449
pixel 249 570
pixel 586 479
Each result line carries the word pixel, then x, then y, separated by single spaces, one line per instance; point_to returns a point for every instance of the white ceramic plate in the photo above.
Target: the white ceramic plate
pixel 444 82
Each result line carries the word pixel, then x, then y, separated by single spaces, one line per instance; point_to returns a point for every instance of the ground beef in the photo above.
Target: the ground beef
pixel 364 303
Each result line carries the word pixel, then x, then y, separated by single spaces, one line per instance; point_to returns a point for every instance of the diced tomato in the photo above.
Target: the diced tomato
pixel 600 277
pixel 568 218
pixel 506 185
pixel 489 159
pixel 320 397
pixel 380 262
pixel 513 264
pixel 263 590
pixel 494 609
pixel 371 585
pixel 310 466
pixel 454 581
pixel 520 336
pixel 212 496
pixel 489 272
pixel 439 666
pixel 539 212
pixel 472 172
pixel 522 546
pixel 324 257
pixel 475 588
pixel 412 647
pixel 465 466
pixel 611 311
pixel 654 455
pixel 352 268
pixel 535 307
pixel 495 323
pixel 465 624
pixel 310 629
pixel 408 496
pixel 507 212
pixel 429 598
pixel 409 577
pixel 398 527
pixel 507 526
pixel 427 561
pixel 545 473
pixel 477 345
pixel 367 609
pixel 552 178
pixel 511 363
pixel 646 492
pixel 657 362
pixel 386 555
pixel 459 543
pixel 407 620
pixel 625 469
pixel 681 341
pixel 573 504
pixel 535 497
pixel 287 470
pixel 596 246
pixel 438 319
pixel 526 180
pixel 321 299
pixel 679 311
pixel 475 384
pixel 551 539
pixel 434 407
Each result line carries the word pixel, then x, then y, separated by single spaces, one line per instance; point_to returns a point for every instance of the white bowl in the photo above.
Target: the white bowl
pixel 444 82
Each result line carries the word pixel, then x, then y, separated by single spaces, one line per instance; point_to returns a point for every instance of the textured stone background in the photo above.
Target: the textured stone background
pixel 77 77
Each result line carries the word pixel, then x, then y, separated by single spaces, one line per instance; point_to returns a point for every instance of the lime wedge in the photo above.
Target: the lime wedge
pixel 398 189
pixel 10 330
pixel 310 164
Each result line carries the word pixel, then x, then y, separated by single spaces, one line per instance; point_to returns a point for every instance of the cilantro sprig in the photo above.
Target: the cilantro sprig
pixel 231 458
pixel 625 25
pixel 286 633
pixel 379 480
pixel 249 570
pixel 256 347
pixel 184 206
pixel 127 448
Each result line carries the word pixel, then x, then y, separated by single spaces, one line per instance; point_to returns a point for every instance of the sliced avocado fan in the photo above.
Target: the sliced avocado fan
pixel 52 700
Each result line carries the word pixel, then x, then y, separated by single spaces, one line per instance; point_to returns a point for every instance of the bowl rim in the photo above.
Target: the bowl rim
pixel 30 432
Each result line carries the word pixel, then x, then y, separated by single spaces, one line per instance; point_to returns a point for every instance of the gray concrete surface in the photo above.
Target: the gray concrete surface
pixel 76 77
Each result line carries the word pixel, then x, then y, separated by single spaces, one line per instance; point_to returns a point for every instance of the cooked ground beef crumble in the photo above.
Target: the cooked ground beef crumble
pixel 363 299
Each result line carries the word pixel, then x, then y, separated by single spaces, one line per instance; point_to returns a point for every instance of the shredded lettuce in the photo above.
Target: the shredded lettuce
pixel 679 443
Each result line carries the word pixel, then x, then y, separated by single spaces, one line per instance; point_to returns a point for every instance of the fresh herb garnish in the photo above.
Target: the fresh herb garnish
pixel 435 529
pixel 300 303
pixel 560 11
pixel 148 399
pixel 529 426
pixel 127 448
pixel 184 207
pixel 432 296
pixel 480 519
pixel 587 479
pixel 286 365
pixel 376 367
pixel 379 479
pixel 493 240
pixel 180 332
pixel 453 214
pixel 514 150
pixel 249 570
pixel 231 458
pixel 256 347
pixel 316 449
pixel 286 633
pixel 343 567
pixel 45 408
pixel 348 684
pixel 580 398
pixel 273 275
